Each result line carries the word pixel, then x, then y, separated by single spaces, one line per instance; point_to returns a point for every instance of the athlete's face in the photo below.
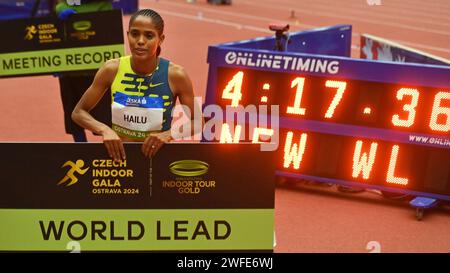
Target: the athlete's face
pixel 143 38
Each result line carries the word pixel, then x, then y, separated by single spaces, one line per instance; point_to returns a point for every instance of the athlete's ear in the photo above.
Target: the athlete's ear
pixel 162 39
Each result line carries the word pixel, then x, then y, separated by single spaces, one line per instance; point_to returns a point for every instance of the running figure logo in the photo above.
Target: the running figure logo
pixel 74 167
pixel 30 31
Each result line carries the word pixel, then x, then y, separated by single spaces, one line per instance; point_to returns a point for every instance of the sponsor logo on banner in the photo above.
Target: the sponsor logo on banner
pixel 82 30
pixel 282 62
pixel 105 176
pixel 30 31
pixel 82 25
pixel 44 33
pixel 189 177
pixel 69 179
pixel 189 167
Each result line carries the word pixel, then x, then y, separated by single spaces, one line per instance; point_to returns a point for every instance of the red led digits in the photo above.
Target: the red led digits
pixel 225 135
pixel 361 162
pixel 439 111
pixel 337 97
pixel 296 109
pixel 261 131
pixel 440 115
pixel 410 108
pixel 373 104
pixel 293 152
pixel 390 178
pixel 233 90
pixel 299 83
pixel 266 87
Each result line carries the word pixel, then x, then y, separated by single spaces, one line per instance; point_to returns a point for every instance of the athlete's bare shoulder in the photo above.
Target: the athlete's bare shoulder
pixel 179 80
pixel 111 65
pixel 108 71
pixel 177 72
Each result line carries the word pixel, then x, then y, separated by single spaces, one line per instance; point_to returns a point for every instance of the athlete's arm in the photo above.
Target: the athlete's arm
pixel 181 86
pixel 102 81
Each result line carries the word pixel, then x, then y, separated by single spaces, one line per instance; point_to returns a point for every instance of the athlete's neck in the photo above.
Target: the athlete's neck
pixel 144 67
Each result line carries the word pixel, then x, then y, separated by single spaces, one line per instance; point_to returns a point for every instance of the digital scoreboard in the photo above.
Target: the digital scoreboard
pixel 348 121
pixel 408 108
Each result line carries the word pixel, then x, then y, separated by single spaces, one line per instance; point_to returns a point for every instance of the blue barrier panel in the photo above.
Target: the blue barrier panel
pixel 335 40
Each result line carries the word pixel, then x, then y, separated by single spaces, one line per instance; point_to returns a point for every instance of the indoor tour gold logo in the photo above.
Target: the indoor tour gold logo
pixel 189 178
pixel 82 25
pixel 83 30
pixel 189 167
pixel 70 177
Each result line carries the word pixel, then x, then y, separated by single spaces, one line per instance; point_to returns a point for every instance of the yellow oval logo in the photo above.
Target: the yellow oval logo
pixel 189 167
pixel 82 25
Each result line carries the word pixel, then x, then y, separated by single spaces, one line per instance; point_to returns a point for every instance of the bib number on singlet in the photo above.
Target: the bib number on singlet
pixel 135 115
